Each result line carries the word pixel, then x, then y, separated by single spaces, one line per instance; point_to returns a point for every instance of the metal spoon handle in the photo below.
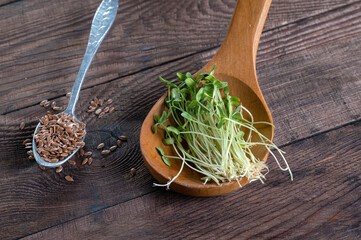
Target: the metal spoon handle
pixel 102 21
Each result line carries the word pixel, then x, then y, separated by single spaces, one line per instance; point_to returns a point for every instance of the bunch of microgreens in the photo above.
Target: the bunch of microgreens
pixel 208 131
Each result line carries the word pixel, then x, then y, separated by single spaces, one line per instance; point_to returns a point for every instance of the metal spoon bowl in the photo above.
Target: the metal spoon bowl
pixel 102 21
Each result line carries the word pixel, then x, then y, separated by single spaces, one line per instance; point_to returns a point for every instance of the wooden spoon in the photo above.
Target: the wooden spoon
pixel 236 64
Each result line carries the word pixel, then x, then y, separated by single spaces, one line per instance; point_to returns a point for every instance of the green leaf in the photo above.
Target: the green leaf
pixel 163 118
pixel 168 141
pixel 210 78
pixel 220 84
pixel 181 76
pixel 189 75
pixel 154 128
pixel 199 94
pixel 212 71
pixel 160 150
pixel 240 134
pixel 187 116
pixel 176 94
pixel 237 108
pixel 234 101
pixel 166 160
pixel 173 130
pixel 221 123
pixel 156 118
pixel 237 116
pixel 226 91
pixel 190 83
pixel 167 82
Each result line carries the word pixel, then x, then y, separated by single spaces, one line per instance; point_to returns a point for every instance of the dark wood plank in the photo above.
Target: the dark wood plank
pixel 42 54
pixel 323 202
pixel 95 188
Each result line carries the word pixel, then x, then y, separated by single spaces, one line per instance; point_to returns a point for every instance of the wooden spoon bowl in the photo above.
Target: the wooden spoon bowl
pixel 236 64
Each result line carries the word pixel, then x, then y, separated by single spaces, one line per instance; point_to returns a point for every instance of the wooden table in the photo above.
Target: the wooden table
pixel 309 69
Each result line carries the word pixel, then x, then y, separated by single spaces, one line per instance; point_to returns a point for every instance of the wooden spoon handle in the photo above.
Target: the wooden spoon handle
pixel 237 55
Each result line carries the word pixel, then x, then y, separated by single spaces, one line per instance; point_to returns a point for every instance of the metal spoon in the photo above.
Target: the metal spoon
pixel 102 21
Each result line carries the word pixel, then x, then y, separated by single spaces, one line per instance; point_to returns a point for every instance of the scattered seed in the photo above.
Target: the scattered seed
pixel 43 102
pixel 99 110
pixel 101 114
pixel 59 169
pixel 72 162
pixel 88 154
pixel 91 110
pixel 30 153
pixel 28 144
pixel 47 104
pixel 106 109
pixel 113 148
pixel 100 102
pixel 111 110
pixel 109 101
pixel 81 152
pixel 105 152
pixel 100 146
pixel 96 100
pixel 53 104
pixel 123 138
pixel 90 160
pixel 69 179
pixel 42 167
pixel 22 125
pixel 31 157
pixel 27 141
pixel 28 147
pixel 85 160
pixel 68 94
pixel 119 143
pixel 133 171
pixel 57 108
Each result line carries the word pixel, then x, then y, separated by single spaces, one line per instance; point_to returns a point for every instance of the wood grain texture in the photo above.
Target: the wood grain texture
pixel 39 53
pixel 323 202
pixel 309 73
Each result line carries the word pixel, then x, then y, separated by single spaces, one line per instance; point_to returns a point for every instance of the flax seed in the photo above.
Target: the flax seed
pixel 72 162
pixel 123 138
pixel 100 102
pixel 57 108
pixel 81 152
pixel 27 141
pixel 109 101
pixel 85 160
pixel 68 94
pixel 112 148
pixel 53 104
pixel 111 110
pixel 42 167
pixel 91 110
pixel 22 125
pixel 28 147
pixel 69 179
pixel 31 157
pixel 105 152
pixel 88 154
pixel 43 102
pixel 101 114
pixel 47 104
pixel 119 143
pixel 100 146
pixel 106 109
pixel 59 169
pixel 30 153
pixel 133 171
pixel 99 110
pixel 90 160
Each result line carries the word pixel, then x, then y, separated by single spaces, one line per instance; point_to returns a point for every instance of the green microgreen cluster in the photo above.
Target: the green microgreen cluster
pixel 207 131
